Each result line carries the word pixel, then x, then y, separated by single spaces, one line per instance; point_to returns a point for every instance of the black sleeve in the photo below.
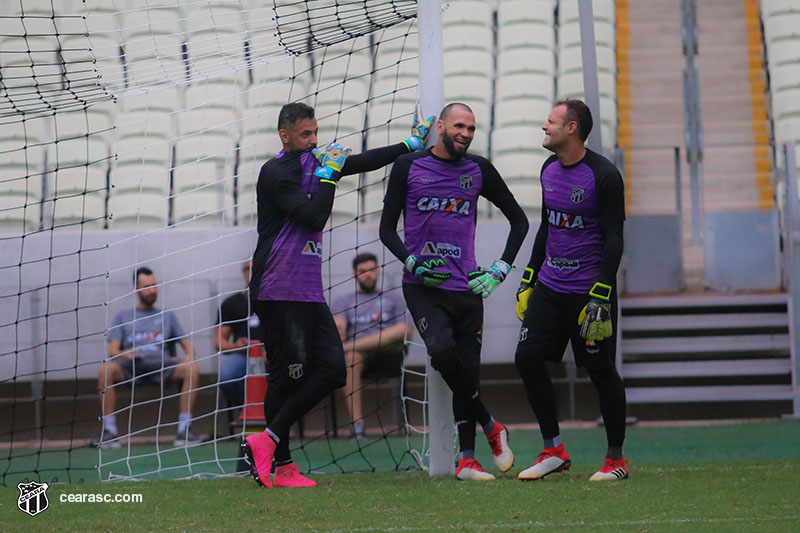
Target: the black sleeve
pixel 393 204
pixel 539 251
pixel 539 244
pixel 496 191
pixel 373 159
pixel 611 202
pixel 282 186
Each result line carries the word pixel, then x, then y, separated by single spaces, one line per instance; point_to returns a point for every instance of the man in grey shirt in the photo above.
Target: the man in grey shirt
pixel 372 326
pixel 141 347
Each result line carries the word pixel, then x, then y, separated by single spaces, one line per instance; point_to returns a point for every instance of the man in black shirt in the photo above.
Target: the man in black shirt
pixel 238 326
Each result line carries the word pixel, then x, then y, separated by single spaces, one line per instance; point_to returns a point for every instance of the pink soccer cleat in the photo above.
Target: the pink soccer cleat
pixel 288 476
pixel 259 449
pixel 612 470
pixel 471 469
pixel 498 441
pixel 550 461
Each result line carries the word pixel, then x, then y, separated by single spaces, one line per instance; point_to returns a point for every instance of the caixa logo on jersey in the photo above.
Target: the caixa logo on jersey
pixel 448 205
pixel 441 249
pixel 313 248
pixel 32 497
pixel 564 220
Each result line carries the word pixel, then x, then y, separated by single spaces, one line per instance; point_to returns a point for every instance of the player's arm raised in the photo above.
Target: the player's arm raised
pixel 380 157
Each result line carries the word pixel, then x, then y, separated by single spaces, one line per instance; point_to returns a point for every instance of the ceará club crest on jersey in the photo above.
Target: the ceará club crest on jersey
pixel 465 182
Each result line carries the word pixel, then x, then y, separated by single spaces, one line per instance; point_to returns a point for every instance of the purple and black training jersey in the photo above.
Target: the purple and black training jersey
pixel 439 199
pixel 581 205
pixel 293 207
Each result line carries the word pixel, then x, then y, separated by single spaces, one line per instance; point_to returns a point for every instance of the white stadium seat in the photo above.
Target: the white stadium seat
pixel 510 12
pixel 602 10
pixel 18 214
pixel 771 8
pixel 515 139
pixel 524 111
pixel 783 26
pixel 458 88
pixel 137 210
pixel 786 102
pixel 209 206
pixel 460 37
pixel 570 34
pixel 522 165
pixel 467 62
pixel 571 60
pixel 86 209
pixel 467 12
pixel 785 77
pixel 192 175
pixel 783 51
pixel 526 60
pixel 526 36
pixel 526 85
pixel 80 179
pixel 140 176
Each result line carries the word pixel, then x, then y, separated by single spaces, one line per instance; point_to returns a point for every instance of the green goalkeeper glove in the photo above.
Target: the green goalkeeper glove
pixel 524 292
pixel 485 280
pixel 595 318
pixel 419 133
pixel 424 270
pixel 331 160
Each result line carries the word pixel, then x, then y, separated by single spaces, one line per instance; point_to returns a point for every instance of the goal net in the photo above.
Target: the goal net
pixel 133 134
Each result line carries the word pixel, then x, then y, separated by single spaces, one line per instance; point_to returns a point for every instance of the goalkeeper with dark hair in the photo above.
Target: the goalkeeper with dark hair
pixel 568 290
pixel 437 190
pixel 306 362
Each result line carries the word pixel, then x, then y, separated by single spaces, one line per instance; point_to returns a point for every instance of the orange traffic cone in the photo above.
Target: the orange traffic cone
pixel 255 386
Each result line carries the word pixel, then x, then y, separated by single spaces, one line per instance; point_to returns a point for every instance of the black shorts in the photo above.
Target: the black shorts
pixel 451 325
pixel 299 338
pixel 147 370
pixel 552 319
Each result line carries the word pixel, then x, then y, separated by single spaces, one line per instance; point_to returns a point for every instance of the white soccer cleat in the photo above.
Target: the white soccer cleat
pixel 471 469
pixel 550 461
pixel 498 442
pixel 612 470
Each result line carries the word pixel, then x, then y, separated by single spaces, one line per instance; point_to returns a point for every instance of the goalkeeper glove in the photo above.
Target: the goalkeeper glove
pixel 331 160
pixel 484 280
pixel 595 318
pixel 524 292
pixel 419 133
pixel 424 270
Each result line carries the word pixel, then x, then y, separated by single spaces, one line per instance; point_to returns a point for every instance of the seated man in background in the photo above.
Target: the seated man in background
pixel 237 327
pixel 141 347
pixel 372 326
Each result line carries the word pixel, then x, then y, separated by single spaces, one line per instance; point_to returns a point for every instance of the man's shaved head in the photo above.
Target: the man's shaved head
pixel 449 107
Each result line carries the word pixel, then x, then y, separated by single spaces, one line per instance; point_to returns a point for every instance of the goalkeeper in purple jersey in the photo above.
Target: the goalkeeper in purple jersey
pixel 437 191
pixel 568 289
pixel 306 362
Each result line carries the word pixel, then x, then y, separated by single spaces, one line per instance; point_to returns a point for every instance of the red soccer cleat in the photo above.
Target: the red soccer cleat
pixel 498 441
pixel 551 460
pixel 259 449
pixel 471 469
pixel 288 476
pixel 612 470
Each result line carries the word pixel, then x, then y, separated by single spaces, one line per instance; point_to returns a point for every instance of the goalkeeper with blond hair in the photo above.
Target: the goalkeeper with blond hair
pixel 295 193
pixel 437 190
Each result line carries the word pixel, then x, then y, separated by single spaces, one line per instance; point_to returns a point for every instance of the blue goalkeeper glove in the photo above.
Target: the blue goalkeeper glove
pixel 419 133
pixel 524 292
pixel 485 280
pixel 595 318
pixel 331 160
pixel 425 270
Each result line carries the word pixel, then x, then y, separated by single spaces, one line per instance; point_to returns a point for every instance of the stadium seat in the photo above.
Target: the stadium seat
pixel 570 59
pixel 521 165
pixel 135 149
pixel 144 43
pixel 782 52
pixel 473 37
pixel 476 88
pixel 391 66
pixel 161 100
pixel 528 192
pixel 137 210
pixel 784 77
pixel 570 85
pixel 274 94
pixel 213 144
pixel 18 215
pixel 467 62
pixel 80 179
pixel 526 61
pixel 134 176
pixel 78 151
pixel 526 85
pixel 353 91
pixel 85 210
pixel 208 15
pixel 222 92
pixel 786 103
pixel 333 68
pixel 140 123
pixel 510 12
pixel 514 139
pixel 211 120
pixel 346 205
pixel 340 124
pixel 519 112
pixel 783 26
pixel 209 206
pixel 787 129
pixel 526 36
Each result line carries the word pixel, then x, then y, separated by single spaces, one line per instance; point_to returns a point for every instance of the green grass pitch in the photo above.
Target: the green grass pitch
pixel 733 477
